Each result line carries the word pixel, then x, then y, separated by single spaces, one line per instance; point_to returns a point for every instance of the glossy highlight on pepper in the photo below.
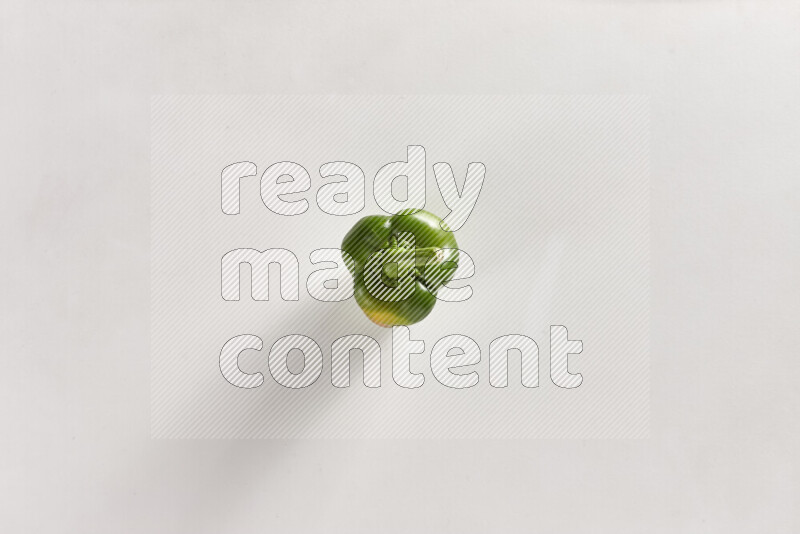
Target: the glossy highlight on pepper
pixel 434 253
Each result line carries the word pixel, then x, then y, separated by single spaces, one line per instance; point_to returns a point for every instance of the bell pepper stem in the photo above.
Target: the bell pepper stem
pixel 422 258
pixel 424 255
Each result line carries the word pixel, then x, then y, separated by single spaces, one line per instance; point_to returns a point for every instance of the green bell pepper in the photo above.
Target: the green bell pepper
pixel 398 264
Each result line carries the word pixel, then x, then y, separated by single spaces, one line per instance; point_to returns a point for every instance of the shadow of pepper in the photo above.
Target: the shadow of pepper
pixel 222 472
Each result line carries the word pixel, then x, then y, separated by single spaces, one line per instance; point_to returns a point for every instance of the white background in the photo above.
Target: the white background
pixel 76 83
